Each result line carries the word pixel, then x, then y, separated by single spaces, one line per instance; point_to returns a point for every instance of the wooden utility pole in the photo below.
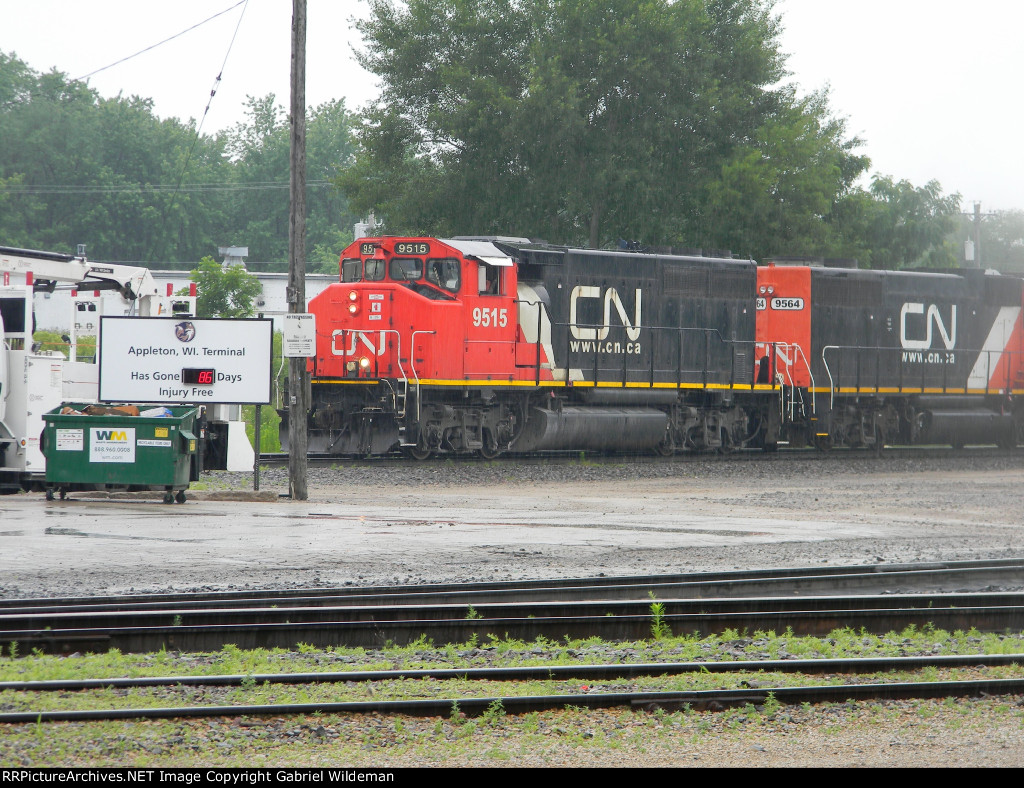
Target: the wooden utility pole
pixel 298 377
pixel 977 235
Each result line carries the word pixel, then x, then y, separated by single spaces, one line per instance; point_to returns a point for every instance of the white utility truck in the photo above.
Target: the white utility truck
pixel 34 381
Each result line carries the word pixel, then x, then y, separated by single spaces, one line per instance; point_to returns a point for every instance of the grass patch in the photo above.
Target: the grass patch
pixel 454 738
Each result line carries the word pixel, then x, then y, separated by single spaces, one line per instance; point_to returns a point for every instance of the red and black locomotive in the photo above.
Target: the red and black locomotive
pixel 497 344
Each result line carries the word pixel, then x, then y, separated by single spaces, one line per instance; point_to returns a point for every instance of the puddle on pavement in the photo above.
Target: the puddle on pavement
pixel 135 513
pixel 51 531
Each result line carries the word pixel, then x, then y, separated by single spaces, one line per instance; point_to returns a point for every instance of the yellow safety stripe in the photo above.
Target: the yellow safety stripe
pixel 580 384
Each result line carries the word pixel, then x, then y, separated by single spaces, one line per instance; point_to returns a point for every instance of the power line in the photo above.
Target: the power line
pixel 161 43
pixel 213 92
pixel 160 187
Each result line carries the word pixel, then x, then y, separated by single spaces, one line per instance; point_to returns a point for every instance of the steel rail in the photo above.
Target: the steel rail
pixel 531 673
pixel 782 455
pixel 697 700
pixel 696 585
pixel 487 611
pixel 379 633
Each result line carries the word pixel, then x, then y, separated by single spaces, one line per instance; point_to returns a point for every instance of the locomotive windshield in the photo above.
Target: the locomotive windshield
pixel 443 273
pixel 446 274
pixel 406 269
pixel 352 270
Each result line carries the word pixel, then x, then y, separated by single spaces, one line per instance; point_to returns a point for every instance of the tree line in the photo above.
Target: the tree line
pixel 76 167
pixel 584 122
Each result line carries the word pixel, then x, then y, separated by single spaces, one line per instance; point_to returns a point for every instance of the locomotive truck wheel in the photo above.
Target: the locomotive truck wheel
pixel 667 447
pixel 418 452
pixel 489 450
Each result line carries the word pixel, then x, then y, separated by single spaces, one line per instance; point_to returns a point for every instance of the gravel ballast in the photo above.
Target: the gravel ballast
pixel 443 521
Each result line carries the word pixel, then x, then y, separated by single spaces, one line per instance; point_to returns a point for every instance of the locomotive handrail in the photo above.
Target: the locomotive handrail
pixel 540 323
pixel 678 330
pixel 398 356
pixel 412 366
pixel 799 354
pixel 901 387
pixel 828 371
pixel 344 332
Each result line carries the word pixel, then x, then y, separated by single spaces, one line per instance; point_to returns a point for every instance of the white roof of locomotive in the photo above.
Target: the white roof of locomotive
pixel 484 251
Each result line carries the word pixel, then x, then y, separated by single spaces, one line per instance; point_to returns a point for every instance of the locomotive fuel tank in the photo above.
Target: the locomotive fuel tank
pixel 592 429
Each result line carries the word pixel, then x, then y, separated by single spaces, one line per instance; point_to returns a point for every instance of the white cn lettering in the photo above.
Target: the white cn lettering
pixel 362 337
pixel 578 292
pixel 931 318
pixel 611 296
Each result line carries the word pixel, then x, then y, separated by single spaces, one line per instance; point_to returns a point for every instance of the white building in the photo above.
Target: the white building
pixel 53 310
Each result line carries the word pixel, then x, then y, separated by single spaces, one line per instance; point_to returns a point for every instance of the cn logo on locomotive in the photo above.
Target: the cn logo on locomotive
pixel 611 296
pixel 932 318
pixel 364 337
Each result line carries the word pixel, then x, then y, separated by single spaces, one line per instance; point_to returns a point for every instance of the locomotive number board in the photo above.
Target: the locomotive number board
pixel 402 247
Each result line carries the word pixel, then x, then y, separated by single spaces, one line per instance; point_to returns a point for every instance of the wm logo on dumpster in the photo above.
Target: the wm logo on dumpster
pixel 112 445
pixel 120 436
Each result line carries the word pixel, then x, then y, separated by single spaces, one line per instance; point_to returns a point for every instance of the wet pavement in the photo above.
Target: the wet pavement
pixel 347 535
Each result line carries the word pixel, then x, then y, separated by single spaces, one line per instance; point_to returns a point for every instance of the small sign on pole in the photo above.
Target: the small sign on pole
pixel 299 336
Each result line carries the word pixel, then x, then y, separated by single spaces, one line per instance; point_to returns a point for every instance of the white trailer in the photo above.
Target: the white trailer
pixel 34 381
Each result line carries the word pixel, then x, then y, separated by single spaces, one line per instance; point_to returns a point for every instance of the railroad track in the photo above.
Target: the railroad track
pixel 868 578
pixel 280 459
pixel 793 600
pixel 807 602
pixel 579 696
pixel 703 700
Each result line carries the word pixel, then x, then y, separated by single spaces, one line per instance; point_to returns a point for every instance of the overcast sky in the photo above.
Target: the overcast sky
pixel 929 85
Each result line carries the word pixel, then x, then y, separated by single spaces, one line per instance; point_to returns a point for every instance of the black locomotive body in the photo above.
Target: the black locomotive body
pixel 648 349
pixel 520 346
pixel 904 356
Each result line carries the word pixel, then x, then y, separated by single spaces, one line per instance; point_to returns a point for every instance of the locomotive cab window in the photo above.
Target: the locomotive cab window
pixel 489 279
pixel 406 269
pixel 445 273
pixel 374 270
pixel 352 270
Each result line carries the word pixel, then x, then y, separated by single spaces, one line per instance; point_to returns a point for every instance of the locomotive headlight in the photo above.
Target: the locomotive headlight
pixel 762 289
pixel 770 289
pixel 351 366
pixel 364 362
pixel 352 295
pixel 353 308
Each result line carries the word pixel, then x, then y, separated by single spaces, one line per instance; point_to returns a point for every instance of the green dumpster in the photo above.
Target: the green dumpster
pixel 115 451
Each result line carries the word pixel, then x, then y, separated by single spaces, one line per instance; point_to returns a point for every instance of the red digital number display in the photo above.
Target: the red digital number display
pixel 199 377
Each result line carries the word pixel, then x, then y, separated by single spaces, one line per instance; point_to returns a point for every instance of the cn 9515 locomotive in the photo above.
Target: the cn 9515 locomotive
pixel 492 345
